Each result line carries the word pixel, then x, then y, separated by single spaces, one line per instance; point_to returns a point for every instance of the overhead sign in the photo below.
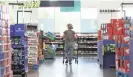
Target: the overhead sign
pixel 30 4
pixel 108 10
pixel 75 8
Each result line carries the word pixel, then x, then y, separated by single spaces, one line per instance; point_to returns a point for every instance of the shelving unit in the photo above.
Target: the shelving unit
pixel 40 48
pixel 87 44
pixel 5 43
pixel 20 51
pixel 123 48
pixel 106 55
pixel 49 42
pixel 33 45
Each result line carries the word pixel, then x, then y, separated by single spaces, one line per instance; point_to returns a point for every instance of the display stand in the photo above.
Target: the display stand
pixel 41 39
pixel 40 50
pixel 19 53
pixel 106 57
pixel 33 45
pixel 124 62
pixel 5 43
pixel 49 51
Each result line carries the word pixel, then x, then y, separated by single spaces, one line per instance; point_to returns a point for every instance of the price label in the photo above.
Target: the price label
pixel 30 4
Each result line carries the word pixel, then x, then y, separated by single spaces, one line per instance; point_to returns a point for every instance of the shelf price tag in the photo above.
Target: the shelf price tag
pixel 30 4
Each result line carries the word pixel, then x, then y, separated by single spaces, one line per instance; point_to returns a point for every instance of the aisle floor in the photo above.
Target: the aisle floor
pixel 86 68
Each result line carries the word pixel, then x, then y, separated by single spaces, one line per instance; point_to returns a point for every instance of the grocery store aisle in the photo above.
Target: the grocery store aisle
pixel 85 68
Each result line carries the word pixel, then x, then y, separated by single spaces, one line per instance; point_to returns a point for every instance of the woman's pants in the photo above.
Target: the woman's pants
pixel 68 50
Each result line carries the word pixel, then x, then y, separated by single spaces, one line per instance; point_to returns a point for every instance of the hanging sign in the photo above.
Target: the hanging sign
pixel 108 10
pixel 30 4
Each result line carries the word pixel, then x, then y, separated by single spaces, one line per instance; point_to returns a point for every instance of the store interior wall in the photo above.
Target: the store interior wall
pixel 88 19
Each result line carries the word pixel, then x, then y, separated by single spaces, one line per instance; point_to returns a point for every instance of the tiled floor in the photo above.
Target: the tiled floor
pixel 86 68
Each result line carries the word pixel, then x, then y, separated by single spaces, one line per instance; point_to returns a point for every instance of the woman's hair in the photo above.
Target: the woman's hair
pixel 69 26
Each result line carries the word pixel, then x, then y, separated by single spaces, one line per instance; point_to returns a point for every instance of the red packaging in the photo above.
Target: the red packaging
pixel 118 38
pixel 126 51
pixel 99 35
pixel 125 38
pixel 119 22
pixel 110 36
pixel 118 53
pixel 117 66
pixel 121 64
pixel 109 28
pixel 117 30
pixel 126 66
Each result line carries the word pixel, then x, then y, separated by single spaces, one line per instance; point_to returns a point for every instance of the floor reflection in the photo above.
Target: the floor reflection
pixel 85 68
pixel 33 73
pixel 69 71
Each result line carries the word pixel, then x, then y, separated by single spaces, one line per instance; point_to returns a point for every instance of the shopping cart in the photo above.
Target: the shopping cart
pixel 75 54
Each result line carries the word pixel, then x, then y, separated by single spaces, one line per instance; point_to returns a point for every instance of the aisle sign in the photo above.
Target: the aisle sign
pixel 30 4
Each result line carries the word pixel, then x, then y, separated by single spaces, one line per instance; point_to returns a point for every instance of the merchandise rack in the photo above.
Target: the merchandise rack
pixel 123 50
pixel 48 42
pixel 20 51
pixel 106 58
pixel 124 62
pixel 33 45
pixel 5 43
pixel 87 44
pixel 40 48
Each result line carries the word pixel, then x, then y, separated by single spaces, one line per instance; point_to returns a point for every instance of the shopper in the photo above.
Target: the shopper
pixel 69 39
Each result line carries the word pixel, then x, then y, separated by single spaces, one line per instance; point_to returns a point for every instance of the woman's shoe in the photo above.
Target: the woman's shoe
pixel 70 62
pixel 66 61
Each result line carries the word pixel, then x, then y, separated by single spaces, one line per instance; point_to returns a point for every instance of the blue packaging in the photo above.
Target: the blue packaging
pixel 131 34
pixel 12 30
pixel 19 30
pixel 127 26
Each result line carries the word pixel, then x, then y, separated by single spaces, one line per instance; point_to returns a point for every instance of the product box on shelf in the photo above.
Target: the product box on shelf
pixel 125 39
pixel 118 53
pixel 117 64
pixel 109 28
pixel 118 38
pixel 126 51
pixel 117 22
pixel 126 68
pixel 12 30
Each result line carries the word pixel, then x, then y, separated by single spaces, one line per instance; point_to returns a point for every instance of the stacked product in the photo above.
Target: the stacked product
pixel 87 44
pixel 106 31
pixel 122 37
pixel 50 47
pixel 106 46
pixel 33 57
pixel 60 43
pixel 19 53
pixel 40 54
pixel 99 35
pixel 5 43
